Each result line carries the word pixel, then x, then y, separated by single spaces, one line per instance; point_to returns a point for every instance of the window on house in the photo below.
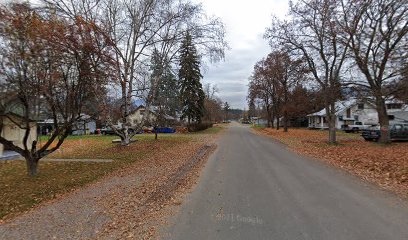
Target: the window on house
pixel 356 117
pixel 391 117
pixel 360 106
pixel 348 113
pixel 340 118
pixel 324 120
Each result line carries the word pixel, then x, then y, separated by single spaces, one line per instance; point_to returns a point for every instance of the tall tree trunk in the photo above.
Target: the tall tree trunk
pixel 285 122
pixel 272 118
pixel 331 120
pixel 285 111
pixel 269 117
pixel 276 107
pixel 383 120
pixel 32 166
pixel 126 139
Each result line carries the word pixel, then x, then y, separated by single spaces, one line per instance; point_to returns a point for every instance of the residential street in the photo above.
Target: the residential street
pixel 253 188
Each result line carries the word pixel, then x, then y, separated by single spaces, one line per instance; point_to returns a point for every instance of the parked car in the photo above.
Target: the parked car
pixel 107 131
pixel 356 127
pixel 164 130
pixel 398 131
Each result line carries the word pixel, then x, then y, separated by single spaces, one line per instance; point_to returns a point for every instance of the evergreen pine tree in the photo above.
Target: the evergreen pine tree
pixel 191 90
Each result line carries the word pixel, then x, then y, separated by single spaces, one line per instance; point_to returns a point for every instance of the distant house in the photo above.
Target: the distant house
pixel 85 125
pixel 347 113
pixel 259 121
pixel 14 127
pixel 351 111
pixel 137 116
pixel 45 127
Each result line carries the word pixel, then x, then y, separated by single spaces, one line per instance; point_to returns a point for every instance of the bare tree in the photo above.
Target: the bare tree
pixel 378 33
pixel 50 66
pixel 273 79
pixel 136 27
pixel 213 105
pixel 285 74
pixel 261 88
pixel 313 34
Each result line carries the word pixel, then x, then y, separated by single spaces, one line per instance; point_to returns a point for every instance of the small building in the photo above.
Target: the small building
pixel 347 113
pixel 259 121
pixel 351 111
pixel 139 114
pixel 45 127
pixel 84 126
pixel 14 125
pixel 14 130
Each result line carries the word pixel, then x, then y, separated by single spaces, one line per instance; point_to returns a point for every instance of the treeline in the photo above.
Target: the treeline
pixel 326 46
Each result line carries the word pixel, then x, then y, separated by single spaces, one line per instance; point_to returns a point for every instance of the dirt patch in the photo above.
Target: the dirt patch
pixel 384 165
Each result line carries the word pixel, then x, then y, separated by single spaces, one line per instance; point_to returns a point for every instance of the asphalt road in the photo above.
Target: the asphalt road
pixel 253 188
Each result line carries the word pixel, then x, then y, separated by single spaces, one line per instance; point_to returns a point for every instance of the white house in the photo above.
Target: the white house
pixel 14 125
pixel 14 131
pixel 136 117
pixel 351 111
pixel 85 125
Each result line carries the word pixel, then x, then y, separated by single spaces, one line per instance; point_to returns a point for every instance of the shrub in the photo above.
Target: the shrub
pixel 195 127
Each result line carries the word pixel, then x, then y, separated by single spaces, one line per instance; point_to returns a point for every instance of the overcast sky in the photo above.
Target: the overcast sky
pixel 245 22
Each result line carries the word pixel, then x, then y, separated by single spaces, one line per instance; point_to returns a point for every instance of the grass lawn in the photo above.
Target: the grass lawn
pixel 20 192
pixel 385 165
pixel 257 126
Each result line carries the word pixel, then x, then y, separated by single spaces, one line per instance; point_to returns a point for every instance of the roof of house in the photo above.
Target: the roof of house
pixel 339 106
pixel 400 116
pixel 153 110
pixel 15 115
pixel 343 105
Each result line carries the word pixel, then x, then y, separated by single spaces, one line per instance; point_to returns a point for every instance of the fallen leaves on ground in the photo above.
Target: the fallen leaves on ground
pixel 385 165
pixel 137 210
pixel 145 179
pixel 20 192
